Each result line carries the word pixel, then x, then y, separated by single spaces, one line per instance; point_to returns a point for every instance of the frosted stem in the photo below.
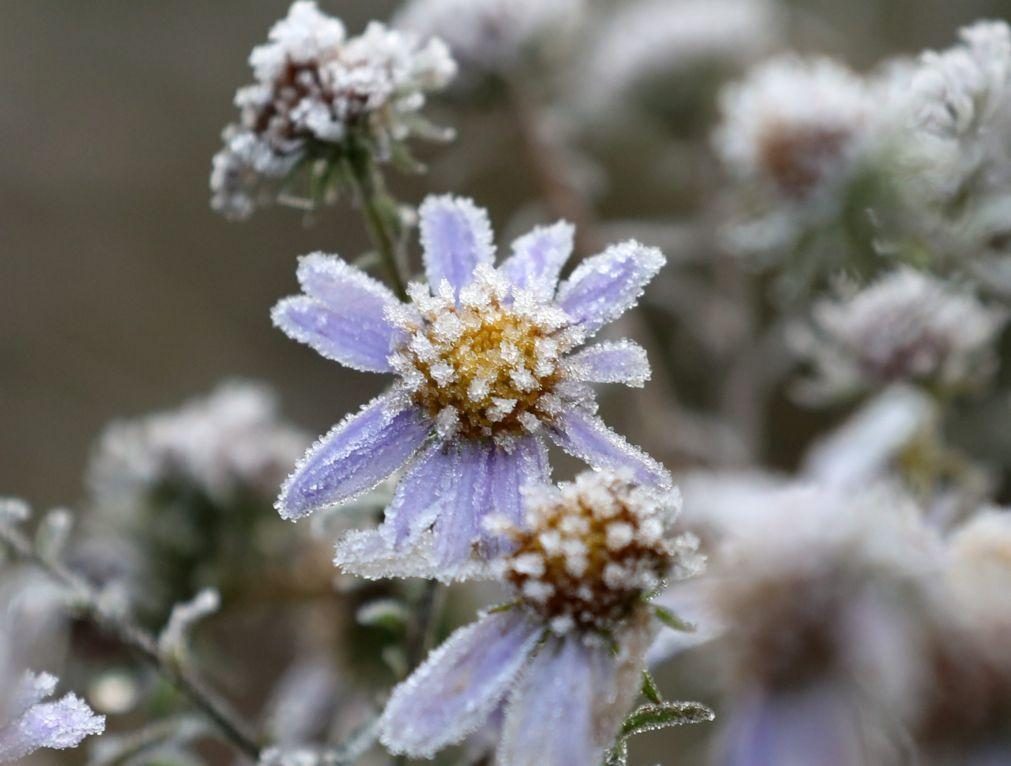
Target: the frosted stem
pixel 141 642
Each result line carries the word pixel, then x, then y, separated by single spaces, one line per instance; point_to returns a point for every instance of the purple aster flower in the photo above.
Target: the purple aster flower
pixel 488 367
pixel 28 722
pixel 565 658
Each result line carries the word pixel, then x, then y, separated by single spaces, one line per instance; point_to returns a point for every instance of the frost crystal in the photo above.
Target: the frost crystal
pixel 491 35
pixel 487 370
pixel 908 326
pixel 315 88
pixel 796 126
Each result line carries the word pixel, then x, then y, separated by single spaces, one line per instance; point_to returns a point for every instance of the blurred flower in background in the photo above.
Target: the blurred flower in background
pixel 319 97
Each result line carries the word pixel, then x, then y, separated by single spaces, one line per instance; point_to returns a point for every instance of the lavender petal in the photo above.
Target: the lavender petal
pixel 342 315
pixel 538 257
pixel 55 725
pixel 421 494
pixel 460 684
pixel 553 717
pixel 605 286
pixel 456 237
pixel 585 436
pixel 619 361
pixel 459 526
pixel 357 454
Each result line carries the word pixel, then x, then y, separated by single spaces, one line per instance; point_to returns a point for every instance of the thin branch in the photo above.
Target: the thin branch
pixel 141 642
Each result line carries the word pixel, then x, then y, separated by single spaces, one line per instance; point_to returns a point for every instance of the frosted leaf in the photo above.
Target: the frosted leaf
pixel 604 287
pixel 620 361
pixel 172 642
pixel 455 238
pixel 353 457
pixel 586 437
pixel 459 685
pixel 13 511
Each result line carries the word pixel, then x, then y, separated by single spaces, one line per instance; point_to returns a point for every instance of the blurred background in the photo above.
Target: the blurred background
pixel 124 293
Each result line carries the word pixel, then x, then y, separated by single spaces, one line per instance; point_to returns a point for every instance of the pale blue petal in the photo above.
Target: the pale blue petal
pixel 525 465
pixel 455 238
pixel 538 257
pixel 421 494
pixel 459 525
pixel 554 717
pixel 342 315
pixel 354 456
pixel 55 725
pixel 605 286
pixel 585 436
pixel 619 361
pixel 460 684
pixel 794 728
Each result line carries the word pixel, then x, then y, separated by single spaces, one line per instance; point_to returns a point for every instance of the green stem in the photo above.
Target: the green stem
pixel 377 206
pixel 140 642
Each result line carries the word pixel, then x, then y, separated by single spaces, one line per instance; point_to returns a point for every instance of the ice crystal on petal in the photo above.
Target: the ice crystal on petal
pixel 314 89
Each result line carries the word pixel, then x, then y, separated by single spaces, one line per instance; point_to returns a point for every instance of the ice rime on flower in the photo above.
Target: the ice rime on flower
pixel 908 326
pixel 491 36
pixel 487 365
pixel 795 126
pixel 315 90
pixel 565 659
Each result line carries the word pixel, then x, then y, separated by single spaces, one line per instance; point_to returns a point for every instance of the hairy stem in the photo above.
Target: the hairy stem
pixel 379 210
pixel 142 643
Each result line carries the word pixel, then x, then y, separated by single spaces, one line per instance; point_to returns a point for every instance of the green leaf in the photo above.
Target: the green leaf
pixel 652 717
pixel 671 620
pixel 649 688
pixel 618 755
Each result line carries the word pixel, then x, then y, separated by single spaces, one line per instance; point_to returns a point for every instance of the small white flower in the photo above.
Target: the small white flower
pixel 908 326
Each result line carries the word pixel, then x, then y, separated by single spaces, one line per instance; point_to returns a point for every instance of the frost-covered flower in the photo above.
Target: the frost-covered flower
pixel 908 326
pixel 795 126
pixel 487 366
pixel 29 723
pixel 225 446
pixel 565 659
pixel 821 595
pixel 959 114
pixel 958 91
pixel 961 710
pixel 491 36
pixel 315 90
pixel 642 42
pixel 177 497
